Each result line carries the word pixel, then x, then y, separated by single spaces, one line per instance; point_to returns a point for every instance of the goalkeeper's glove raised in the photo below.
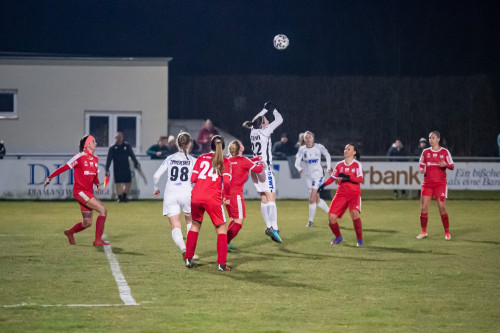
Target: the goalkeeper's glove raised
pixel 269 106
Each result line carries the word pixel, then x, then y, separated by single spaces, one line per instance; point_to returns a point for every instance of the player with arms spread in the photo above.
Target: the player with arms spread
pixel 240 167
pixel 349 174
pixel 177 197
pixel 433 163
pixel 207 196
pixel 260 136
pixel 310 154
pixel 85 166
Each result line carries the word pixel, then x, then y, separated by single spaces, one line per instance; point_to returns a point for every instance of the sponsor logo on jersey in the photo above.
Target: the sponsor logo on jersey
pixel 86 173
pixel 86 163
pixel 312 161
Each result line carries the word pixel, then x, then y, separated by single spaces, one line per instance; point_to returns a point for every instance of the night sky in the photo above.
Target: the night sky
pixel 327 37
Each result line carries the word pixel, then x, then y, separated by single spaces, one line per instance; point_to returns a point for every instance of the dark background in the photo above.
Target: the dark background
pixel 363 71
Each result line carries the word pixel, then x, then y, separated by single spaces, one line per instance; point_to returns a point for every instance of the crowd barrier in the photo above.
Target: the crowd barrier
pixel 23 178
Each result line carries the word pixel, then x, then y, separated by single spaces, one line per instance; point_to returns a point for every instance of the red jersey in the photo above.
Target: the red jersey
pixel 208 185
pixel 240 166
pixel 429 160
pixel 85 166
pixel 355 172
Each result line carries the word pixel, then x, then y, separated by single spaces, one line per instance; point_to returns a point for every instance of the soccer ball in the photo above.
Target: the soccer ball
pixel 281 42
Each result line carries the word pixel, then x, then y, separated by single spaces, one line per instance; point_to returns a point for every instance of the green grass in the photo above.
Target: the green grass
pixel 396 283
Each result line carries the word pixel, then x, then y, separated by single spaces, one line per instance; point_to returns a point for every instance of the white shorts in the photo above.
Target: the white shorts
pixel 173 203
pixel 264 181
pixel 314 182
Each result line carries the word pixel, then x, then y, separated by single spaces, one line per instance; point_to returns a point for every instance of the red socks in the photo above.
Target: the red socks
pixel 191 240
pixel 423 221
pixel 335 229
pixel 232 231
pixel 446 222
pixel 99 227
pixel 221 249
pixel 77 228
pixel 357 228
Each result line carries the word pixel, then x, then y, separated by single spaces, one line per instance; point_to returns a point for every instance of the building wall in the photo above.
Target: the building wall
pixel 53 96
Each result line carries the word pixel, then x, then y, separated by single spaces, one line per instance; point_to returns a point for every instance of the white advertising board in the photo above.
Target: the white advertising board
pixel 23 179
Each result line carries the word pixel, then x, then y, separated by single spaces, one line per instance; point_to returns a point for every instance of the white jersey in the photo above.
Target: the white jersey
pixel 312 160
pixel 261 139
pixel 179 170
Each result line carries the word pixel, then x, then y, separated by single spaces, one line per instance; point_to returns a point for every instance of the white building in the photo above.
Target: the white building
pixel 47 104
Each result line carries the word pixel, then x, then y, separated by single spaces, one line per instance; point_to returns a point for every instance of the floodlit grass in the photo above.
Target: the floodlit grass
pixel 396 283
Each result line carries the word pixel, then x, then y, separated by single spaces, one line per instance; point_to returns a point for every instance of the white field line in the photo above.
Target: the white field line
pixel 123 288
pixel 60 305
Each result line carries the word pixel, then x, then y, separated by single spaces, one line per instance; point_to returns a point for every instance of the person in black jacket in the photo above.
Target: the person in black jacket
pixel 119 153
pixel 283 148
pixel 2 149
pixel 397 150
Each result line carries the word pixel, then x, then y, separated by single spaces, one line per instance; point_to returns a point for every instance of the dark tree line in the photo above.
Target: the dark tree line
pixel 370 111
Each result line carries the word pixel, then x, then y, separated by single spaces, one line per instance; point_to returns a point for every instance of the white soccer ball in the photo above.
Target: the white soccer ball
pixel 281 42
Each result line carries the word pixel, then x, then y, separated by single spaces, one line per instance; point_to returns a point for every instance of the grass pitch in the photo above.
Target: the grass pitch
pixel 395 283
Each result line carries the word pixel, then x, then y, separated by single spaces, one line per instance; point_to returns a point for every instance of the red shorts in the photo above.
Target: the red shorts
pixel 236 208
pixel 216 212
pixel 83 197
pixel 341 202
pixel 439 191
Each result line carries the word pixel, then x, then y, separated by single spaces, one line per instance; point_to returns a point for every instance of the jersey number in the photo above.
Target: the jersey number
pixel 257 147
pixel 174 174
pixel 207 171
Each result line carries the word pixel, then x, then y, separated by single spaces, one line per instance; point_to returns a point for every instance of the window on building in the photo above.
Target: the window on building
pixel 103 125
pixel 8 103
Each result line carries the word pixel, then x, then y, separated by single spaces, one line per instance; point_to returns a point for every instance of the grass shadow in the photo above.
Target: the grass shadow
pixel 405 250
pixel 119 250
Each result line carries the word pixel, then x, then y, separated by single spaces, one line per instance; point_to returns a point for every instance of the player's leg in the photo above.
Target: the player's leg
pixel 175 224
pixel 337 209
pixel 425 200
pixel 172 209
pixel 313 203
pixel 440 193
pixel 218 218
pixel 273 232
pixel 237 212
pixel 356 221
pixel 197 211
pixel 82 225
pixel 98 206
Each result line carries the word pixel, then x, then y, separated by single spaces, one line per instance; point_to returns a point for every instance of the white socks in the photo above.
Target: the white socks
pixel 188 226
pixel 265 214
pixel 178 240
pixel 273 214
pixel 322 204
pixel 312 211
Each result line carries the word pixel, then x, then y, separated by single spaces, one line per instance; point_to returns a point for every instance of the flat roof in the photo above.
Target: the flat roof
pixel 84 61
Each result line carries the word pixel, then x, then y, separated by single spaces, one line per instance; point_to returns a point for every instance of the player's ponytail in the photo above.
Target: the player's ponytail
pixel 357 156
pixel 218 146
pixel 81 146
pixel 183 141
pixel 255 123
pixel 234 148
